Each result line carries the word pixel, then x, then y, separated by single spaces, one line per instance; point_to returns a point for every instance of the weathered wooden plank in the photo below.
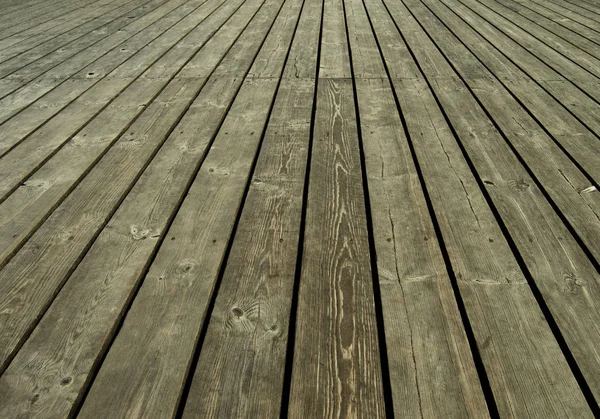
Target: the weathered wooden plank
pixel 432 372
pixel 571 97
pixel 176 290
pixel 568 23
pixel 334 48
pixel 178 157
pixel 62 47
pixel 26 30
pixel 277 48
pixel 243 355
pixel 565 129
pixel 38 270
pixel 59 256
pixel 336 366
pixel 96 61
pixel 589 5
pixel 580 11
pixel 569 49
pixel 585 80
pixel 577 35
pixel 431 367
pixel 48 10
pixel 200 234
pixel 27 121
pixel 40 45
pixel 18 22
pixel 56 362
pixel 495 292
pixel 583 20
pixel 305 45
pixel 558 175
pixel 29 204
pixel 337 369
pixel 244 351
pixel 366 59
pixel 18 11
pixel 26 156
pixel 553 257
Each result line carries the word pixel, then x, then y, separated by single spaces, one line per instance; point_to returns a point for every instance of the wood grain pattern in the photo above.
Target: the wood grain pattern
pixel 587 40
pixel 12 167
pixel 53 18
pixel 573 51
pixel 337 370
pixel 243 354
pixel 572 98
pixel 184 229
pixel 430 359
pixel 201 219
pixel 585 80
pixel 244 351
pixel 25 208
pixel 95 62
pixel 90 282
pixel 569 14
pixel 170 306
pixel 564 127
pixel 494 290
pixel 429 355
pixel 35 274
pixel 474 269
pixel 49 51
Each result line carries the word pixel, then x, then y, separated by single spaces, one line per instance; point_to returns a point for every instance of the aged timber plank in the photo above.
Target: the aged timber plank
pixel 84 217
pixel 57 49
pixel 200 233
pixel 26 156
pixel 336 370
pixel 587 40
pixel 495 293
pixel 556 173
pixel 130 239
pixel 593 18
pixel 570 96
pixel 243 355
pixel 553 257
pixel 568 14
pixel 37 46
pixel 94 62
pixel 492 286
pixel 28 205
pixel 20 23
pixel 74 95
pixel 570 50
pixel 565 128
pixel 582 77
pixel 568 23
pixel 49 26
pixel 432 372
pixel 336 366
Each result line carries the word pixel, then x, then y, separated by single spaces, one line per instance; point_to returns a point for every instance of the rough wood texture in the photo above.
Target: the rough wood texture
pixel 186 232
pixel 410 264
pixel 337 370
pixel 243 354
pixel 248 328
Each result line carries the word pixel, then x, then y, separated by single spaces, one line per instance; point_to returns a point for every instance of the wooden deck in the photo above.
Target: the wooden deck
pixel 303 208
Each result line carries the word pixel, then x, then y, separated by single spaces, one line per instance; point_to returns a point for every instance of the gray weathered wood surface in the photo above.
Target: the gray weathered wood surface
pixel 299 208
